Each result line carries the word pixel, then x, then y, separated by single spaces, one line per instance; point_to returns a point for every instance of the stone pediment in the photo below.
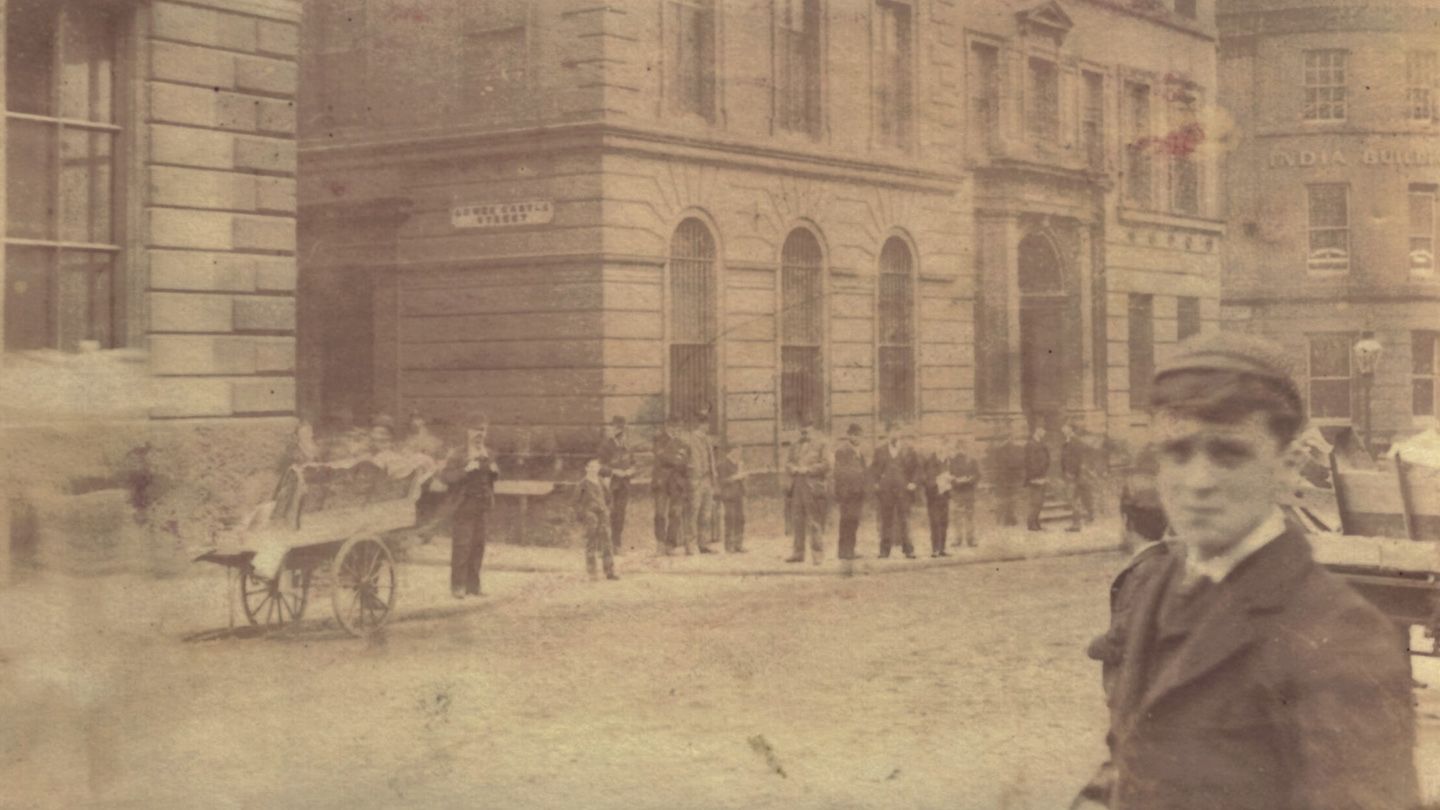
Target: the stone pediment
pixel 1047 19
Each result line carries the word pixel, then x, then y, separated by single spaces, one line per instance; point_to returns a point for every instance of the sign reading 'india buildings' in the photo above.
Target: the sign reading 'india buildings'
pixel 1303 158
pixel 501 215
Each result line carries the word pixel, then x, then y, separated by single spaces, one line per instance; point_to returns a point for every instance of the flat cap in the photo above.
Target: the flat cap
pixel 1238 353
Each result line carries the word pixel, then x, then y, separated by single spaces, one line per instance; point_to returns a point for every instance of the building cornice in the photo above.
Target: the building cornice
pixel 398 148
pixel 1309 19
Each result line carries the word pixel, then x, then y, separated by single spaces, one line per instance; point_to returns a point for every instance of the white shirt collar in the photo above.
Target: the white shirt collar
pixel 1219 567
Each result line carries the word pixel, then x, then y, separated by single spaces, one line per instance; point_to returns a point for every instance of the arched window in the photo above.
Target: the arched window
pixel 802 312
pixel 896 357
pixel 692 320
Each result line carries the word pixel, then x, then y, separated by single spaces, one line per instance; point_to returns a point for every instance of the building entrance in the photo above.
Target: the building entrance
pixel 1043 313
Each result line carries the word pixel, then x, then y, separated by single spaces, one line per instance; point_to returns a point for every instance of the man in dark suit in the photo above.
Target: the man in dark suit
pixel 470 478
pixel 935 473
pixel 1037 471
pixel 808 465
pixel 670 486
pixel 896 471
pixel 851 481
pixel 1073 453
pixel 617 461
pixel 1251 679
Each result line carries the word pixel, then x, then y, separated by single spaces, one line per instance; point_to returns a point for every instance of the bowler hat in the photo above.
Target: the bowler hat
pixel 854 429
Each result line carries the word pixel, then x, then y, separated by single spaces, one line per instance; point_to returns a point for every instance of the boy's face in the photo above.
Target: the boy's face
pixel 1217 482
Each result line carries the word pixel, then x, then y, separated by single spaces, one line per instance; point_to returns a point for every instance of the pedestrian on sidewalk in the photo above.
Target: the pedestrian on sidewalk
pixel 1008 461
pixel 732 499
pixel 700 525
pixel 964 478
pixel 593 504
pixel 1078 493
pixel 669 486
pixel 808 467
pixel 896 472
pixel 851 481
pixel 617 461
pixel 469 478
pixel 935 471
pixel 1037 472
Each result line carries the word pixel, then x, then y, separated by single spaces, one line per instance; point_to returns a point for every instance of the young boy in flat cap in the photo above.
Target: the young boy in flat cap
pixel 593 501
pixel 1251 679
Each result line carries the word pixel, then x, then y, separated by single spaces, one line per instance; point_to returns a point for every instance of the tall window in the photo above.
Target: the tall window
pixel 1092 120
pixel 897 332
pixel 61 246
pixel 1420 76
pixel 1425 373
pixel 1184 139
pixel 984 96
pixel 798 58
pixel 335 80
pixel 1329 228
pixel 692 320
pixel 1330 375
pixel 1142 350
pixel 802 316
pixel 1139 181
pixel 1042 101
pixel 492 55
pixel 1325 85
pixel 894 80
pixel 690 57
pixel 1187 317
pixel 1422 229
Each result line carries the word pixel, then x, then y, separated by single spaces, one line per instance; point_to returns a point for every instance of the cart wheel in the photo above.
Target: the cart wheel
pixel 275 601
pixel 364 591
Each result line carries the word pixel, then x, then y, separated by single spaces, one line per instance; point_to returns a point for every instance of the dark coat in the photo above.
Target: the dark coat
pixel 1109 647
pixel 616 456
pixel 1072 458
pixel 671 474
pixel 470 490
pixel 732 481
pixel 1291 693
pixel 894 471
pixel 850 475
pixel 1037 462
pixel 592 501
pixel 966 474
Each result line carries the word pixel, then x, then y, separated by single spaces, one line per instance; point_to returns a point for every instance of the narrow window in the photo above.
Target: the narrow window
pixel 1182 144
pixel 1424 371
pixel 801 323
pixel 1325 85
pixel 798 61
pixel 1330 375
pixel 894 80
pixel 1142 350
pixel 690 58
pixel 1329 228
pixel 61 248
pixel 897 332
pixel 1420 85
pixel 1138 176
pixel 692 320
pixel 1092 121
pixel 1422 229
pixel 1043 101
pixel 1187 317
pixel 336 64
pixel 984 96
pixel 492 55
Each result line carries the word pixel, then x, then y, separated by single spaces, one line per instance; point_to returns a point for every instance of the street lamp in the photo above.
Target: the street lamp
pixel 1367 352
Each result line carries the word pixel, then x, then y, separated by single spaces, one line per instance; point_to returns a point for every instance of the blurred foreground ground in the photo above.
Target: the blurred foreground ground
pixel 701 682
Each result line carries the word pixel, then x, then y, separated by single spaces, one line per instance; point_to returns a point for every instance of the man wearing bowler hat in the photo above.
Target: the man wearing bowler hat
pixel 1251 678
pixel 469 477
pixel 617 461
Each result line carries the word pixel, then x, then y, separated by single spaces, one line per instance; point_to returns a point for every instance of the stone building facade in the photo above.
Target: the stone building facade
pixel 561 212
pixel 1332 198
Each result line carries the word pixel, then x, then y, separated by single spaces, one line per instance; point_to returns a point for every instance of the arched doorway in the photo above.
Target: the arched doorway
pixel 1043 313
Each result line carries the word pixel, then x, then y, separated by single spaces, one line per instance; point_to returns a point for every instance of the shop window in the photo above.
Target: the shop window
pixel 1182 146
pixel 690 66
pixel 894 101
pixel 1142 350
pixel 797 39
pixel 1325 97
pixel 1422 230
pixel 1329 228
pixel 335 93
pixel 1330 383
pixel 897 332
pixel 1042 108
pixel 1187 317
pixel 692 320
pixel 1092 120
pixel 1139 182
pixel 984 96
pixel 1420 76
pixel 1424 372
pixel 802 313
pixel 61 246
pixel 493 55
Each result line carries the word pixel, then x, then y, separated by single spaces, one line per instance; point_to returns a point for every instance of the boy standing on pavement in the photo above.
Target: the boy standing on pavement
pixel 732 499
pixel 935 470
pixel 470 479
pixel 896 470
pixel 964 476
pixel 592 510
pixel 669 485
pixel 618 462
pixel 1252 678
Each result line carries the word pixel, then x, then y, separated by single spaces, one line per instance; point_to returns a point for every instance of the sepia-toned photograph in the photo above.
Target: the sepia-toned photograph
pixel 803 404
